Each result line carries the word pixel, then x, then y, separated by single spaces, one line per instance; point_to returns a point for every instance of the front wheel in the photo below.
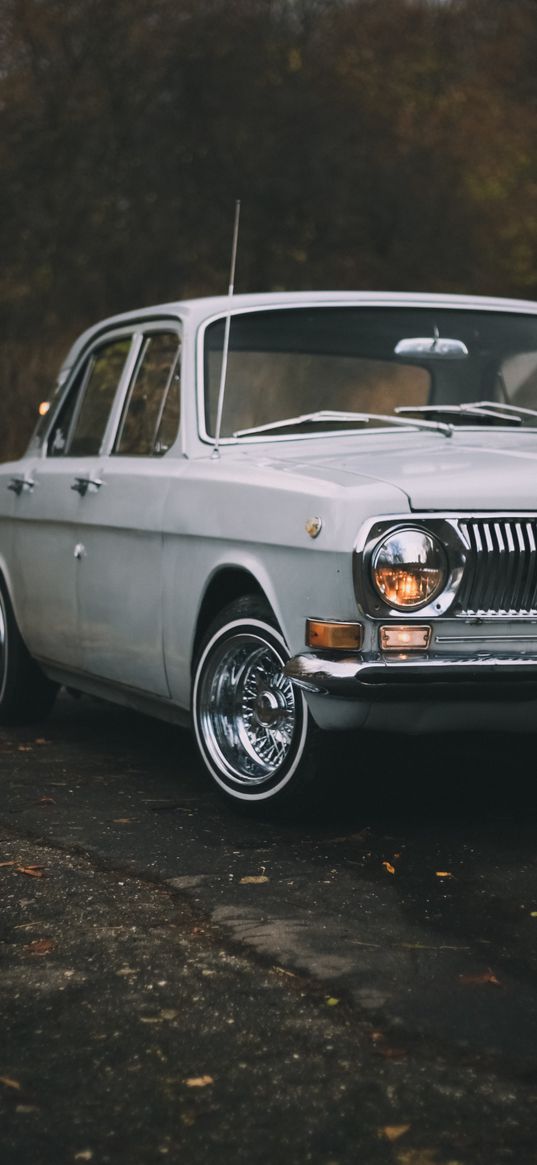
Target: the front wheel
pixel 252 727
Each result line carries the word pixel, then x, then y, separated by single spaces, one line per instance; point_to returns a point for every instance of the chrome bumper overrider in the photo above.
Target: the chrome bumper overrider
pixel 356 674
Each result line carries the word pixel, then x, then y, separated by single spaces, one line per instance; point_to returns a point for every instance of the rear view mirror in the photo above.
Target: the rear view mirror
pixel 433 347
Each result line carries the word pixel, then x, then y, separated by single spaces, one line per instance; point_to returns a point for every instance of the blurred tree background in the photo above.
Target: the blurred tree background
pixel 374 144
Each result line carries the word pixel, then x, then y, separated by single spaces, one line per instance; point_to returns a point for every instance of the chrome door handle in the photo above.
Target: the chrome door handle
pixel 82 484
pixel 18 484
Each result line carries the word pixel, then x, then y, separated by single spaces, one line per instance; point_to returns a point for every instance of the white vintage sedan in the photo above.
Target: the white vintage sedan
pixel 278 515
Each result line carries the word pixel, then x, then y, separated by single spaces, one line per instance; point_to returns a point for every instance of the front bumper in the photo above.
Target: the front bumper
pixel 357 674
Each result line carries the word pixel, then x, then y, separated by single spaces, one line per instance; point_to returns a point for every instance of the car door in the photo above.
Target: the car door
pixel 48 507
pixel 120 580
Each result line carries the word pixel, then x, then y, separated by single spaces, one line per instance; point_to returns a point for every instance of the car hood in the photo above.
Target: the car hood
pixel 477 470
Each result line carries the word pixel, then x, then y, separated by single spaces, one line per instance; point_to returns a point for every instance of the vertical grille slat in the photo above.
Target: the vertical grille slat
pixel 528 587
pixel 519 568
pixel 500 575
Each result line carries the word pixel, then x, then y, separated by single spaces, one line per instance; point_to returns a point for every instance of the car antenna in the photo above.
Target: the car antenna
pixel 225 349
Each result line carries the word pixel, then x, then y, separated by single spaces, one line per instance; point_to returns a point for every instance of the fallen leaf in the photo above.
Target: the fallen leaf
pixel 122 820
pixel 331 1001
pixel 487 976
pixel 84 1155
pixel 10 1083
pixel 533 913
pixel 31 871
pixel 198 1081
pixel 388 867
pixel 420 1157
pixel 284 971
pixel 390 1052
pixel 167 1013
pixel 443 874
pixel 254 879
pixel 24 748
pixel 393 1132
pixel 3 864
pixel 40 946
pixel 41 740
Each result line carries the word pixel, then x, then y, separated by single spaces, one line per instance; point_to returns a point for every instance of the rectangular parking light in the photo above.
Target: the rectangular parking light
pixel 405 637
pixel 326 635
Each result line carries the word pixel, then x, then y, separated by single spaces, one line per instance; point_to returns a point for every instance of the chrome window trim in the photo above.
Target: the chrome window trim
pixel 379 305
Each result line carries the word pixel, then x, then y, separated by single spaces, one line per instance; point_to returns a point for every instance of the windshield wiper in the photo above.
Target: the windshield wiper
pixel 515 409
pixel 329 415
pixel 474 409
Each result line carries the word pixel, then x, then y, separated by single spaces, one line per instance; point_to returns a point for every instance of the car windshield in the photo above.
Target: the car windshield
pixel 286 363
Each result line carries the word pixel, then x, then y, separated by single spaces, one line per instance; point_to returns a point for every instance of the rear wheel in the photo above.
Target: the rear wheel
pixel 26 695
pixel 253 728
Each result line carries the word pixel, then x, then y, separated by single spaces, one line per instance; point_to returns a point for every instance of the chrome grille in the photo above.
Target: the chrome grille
pixel 500 575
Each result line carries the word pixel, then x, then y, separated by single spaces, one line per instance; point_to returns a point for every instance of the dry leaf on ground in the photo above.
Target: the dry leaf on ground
pixel 254 879
pixel 418 1157
pixel 8 1082
pixel 198 1081
pixel 388 867
pixel 487 976
pixel 443 874
pixel 393 1132
pixel 391 1053
pixel 31 871
pixel 40 946
pixel 4 864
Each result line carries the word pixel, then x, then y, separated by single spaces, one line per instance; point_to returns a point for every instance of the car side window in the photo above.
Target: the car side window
pixel 150 419
pixel 80 426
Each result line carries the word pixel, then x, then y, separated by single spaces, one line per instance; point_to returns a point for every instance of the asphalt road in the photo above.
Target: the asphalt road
pixel 180 983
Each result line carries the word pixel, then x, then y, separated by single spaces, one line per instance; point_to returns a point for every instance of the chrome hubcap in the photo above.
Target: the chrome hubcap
pixel 247 709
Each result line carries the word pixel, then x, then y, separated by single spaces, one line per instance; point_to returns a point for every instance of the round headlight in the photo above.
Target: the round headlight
pixel 409 569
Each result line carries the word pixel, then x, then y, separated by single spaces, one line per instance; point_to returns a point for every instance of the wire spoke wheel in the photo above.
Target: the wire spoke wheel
pixel 247 709
pixel 251 724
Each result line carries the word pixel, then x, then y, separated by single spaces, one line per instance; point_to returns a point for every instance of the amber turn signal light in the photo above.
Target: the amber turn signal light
pixel 327 636
pixel 405 638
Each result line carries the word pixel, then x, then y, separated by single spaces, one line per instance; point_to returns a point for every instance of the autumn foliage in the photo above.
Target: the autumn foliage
pixel 373 144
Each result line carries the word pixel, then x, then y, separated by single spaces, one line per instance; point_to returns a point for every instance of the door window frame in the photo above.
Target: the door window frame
pixel 136 331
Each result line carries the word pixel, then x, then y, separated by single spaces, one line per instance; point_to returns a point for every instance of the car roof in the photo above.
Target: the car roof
pixel 198 310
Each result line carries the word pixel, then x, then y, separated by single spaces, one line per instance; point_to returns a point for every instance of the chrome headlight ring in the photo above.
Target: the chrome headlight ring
pixel 408 569
pixel 405 567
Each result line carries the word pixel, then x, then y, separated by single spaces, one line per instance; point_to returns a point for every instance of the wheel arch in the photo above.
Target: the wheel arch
pixel 228 583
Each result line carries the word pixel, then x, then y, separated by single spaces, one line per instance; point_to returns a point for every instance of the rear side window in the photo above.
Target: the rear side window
pixel 150 419
pixel 81 423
